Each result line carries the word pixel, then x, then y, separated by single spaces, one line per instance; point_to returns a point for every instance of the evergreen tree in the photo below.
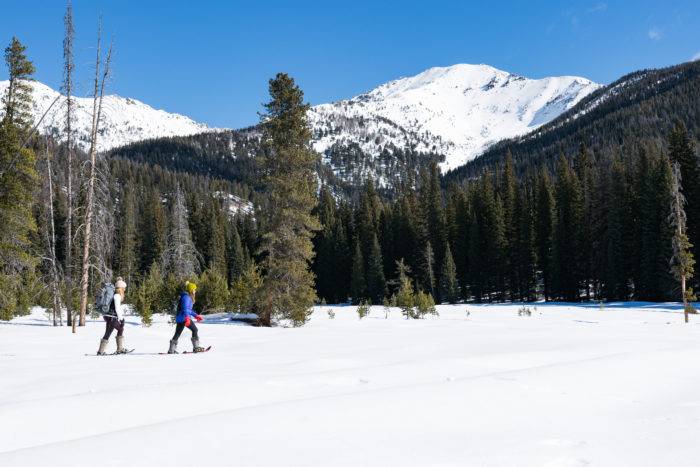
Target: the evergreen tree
pixel 153 230
pixel 290 178
pixel 486 241
pixel 376 282
pixel 237 261
pixel 524 257
pixel 216 240
pixel 434 227
pixel 567 234
pixel 449 289
pixel 508 192
pixel 681 151
pixel 17 181
pixel 427 270
pixel 616 270
pixel 126 237
pixel 682 261
pixel 358 284
pixel 583 168
pixel 545 231
pixel 405 295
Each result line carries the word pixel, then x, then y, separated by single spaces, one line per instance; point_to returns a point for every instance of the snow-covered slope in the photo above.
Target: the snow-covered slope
pixel 457 111
pixel 124 120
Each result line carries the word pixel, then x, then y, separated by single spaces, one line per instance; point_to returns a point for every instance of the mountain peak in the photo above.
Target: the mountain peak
pixel 458 111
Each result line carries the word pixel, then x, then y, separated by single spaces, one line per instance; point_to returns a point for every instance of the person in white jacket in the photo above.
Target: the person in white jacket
pixel 114 319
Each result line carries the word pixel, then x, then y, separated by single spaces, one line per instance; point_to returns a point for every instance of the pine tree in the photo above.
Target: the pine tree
pixel 681 151
pixel 434 228
pixel 567 233
pixel 376 282
pixel 405 295
pixel 508 192
pixel 358 284
pixel 237 261
pixel 216 240
pixel 583 169
pixel 486 241
pixel 153 230
pixel 449 290
pixel 616 270
pixel 289 168
pixel 525 255
pixel 126 237
pixel 17 180
pixel 545 230
pixel 682 261
pixel 427 270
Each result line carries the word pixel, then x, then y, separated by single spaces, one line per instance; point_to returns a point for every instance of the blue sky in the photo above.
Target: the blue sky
pixel 211 59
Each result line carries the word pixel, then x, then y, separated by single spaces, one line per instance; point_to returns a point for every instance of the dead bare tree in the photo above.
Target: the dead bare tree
pixel 54 271
pixel 180 257
pixel 101 75
pixel 68 70
pixel 103 224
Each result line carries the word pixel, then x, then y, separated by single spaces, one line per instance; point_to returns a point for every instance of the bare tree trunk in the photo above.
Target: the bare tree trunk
pixel 68 68
pixel 685 298
pixel 89 207
pixel 52 246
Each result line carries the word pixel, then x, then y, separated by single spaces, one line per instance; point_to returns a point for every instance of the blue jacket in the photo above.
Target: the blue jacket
pixel 184 308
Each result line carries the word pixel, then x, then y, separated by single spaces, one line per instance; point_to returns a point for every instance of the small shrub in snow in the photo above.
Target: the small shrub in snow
pixel 404 297
pixel 425 305
pixel 524 311
pixel 387 303
pixel 331 314
pixel 363 309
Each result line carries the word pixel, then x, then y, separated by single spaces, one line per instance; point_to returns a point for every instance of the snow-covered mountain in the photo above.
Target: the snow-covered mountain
pixel 457 111
pixel 124 120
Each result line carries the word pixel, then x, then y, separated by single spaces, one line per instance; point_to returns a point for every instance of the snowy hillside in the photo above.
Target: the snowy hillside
pixel 457 111
pixel 568 386
pixel 124 120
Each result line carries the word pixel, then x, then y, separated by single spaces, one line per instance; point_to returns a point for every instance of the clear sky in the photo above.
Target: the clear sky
pixel 211 59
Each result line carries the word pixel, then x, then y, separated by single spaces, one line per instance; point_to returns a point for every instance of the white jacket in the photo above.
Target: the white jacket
pixel 118 307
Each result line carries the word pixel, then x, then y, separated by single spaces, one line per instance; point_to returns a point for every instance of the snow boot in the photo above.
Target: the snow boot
pixel 103 347
pixel 120 345
pixel 173 346
pixel 195 346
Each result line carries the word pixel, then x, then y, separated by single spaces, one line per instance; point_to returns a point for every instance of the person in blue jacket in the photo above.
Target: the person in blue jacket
pixel 186 317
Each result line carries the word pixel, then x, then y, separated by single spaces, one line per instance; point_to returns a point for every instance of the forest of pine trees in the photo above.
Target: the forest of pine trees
pixel 587 231
pixel 588 227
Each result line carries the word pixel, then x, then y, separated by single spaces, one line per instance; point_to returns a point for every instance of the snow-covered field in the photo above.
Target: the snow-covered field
pixel 568 386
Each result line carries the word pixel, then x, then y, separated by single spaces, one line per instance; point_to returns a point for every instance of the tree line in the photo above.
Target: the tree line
pixel 589 230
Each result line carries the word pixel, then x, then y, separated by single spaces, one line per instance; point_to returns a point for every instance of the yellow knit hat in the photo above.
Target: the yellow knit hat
pixel 190 287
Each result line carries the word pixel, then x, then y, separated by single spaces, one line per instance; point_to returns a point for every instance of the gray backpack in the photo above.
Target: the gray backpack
pixel 104 300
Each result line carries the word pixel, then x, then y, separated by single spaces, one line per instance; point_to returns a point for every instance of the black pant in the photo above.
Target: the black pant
pixel 112 324
pixel 179 328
